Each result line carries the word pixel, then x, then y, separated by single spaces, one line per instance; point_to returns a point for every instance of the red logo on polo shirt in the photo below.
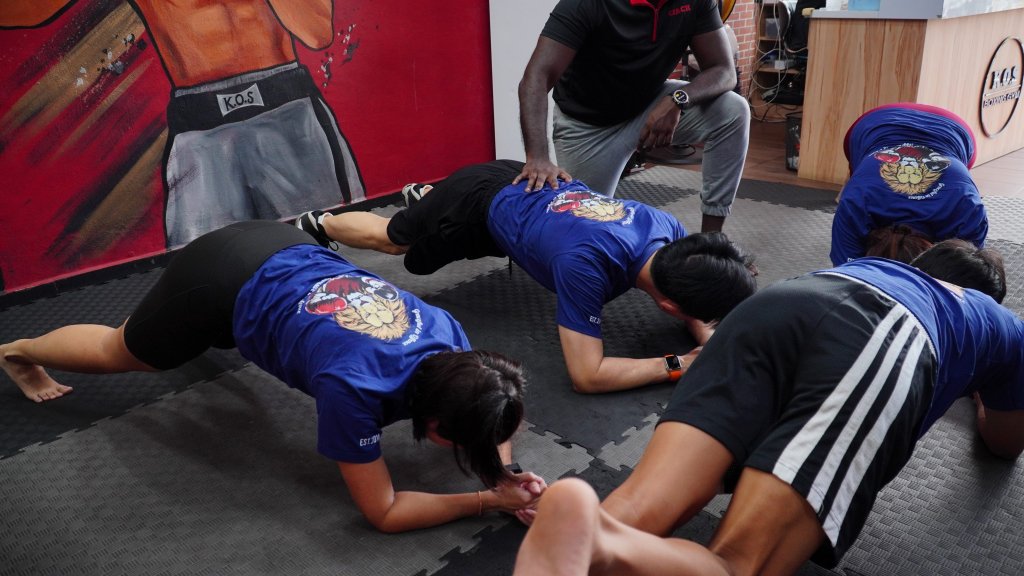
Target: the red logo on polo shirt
pixel 680 10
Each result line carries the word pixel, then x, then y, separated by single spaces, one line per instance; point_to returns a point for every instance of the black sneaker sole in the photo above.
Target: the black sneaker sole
pixel 307 222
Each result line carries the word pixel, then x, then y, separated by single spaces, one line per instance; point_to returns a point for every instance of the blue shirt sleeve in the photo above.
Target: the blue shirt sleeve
pixel 347 429
pixel 850 227
pixel 974 229
pixel 1006 392
pixel 582 291
pixel 1003 387
pixel 959 211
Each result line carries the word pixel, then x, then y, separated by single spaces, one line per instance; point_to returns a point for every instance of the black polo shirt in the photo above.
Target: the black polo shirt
pixel 625 49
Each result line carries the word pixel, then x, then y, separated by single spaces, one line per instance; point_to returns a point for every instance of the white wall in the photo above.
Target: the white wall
pixel 515 26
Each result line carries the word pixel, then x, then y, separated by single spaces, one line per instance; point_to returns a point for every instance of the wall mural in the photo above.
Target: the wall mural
pixel 131 127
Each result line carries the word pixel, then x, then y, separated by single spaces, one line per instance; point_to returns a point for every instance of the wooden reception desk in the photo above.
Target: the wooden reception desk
pixel 963 55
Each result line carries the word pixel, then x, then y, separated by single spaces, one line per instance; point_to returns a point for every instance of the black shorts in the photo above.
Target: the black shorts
pixel 822 381
pixel 450 222
pixel 190 307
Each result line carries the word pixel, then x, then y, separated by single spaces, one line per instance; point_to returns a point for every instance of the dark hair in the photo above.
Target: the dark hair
pixel 477 400
pixel 964 264
pixel 897 242
pixel 704 274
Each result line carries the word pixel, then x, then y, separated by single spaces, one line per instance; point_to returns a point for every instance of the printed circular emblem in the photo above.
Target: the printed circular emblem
pixel 362 304
pixel 1001 90
pixel 910 169
pixel 589 205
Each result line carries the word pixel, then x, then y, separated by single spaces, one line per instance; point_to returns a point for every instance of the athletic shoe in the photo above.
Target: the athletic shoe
pixel 312 223
pixel 413 193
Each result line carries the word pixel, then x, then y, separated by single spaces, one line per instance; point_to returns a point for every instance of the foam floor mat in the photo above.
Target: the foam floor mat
pixel 212 468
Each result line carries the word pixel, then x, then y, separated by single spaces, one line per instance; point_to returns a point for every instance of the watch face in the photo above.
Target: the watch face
pixel 672 363
pixel 681 98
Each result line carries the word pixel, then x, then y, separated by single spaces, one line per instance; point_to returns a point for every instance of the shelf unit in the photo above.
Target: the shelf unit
pixel 772 21
pixel 771 69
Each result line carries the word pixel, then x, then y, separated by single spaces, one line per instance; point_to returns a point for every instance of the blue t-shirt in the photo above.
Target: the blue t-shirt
pixel 345 337
pixel 585 247
pixel 979 344
pixel 907 167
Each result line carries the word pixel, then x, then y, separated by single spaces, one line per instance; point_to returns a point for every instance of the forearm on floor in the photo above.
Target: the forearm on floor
pixel 414 510
pixel 615 374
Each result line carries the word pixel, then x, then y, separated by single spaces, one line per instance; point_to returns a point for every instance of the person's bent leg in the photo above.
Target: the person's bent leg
pixel 446 206
pixel 572 535
pixel 187 310
pixel 594 155
pixel 679 472
pixel 768 529
pixel 561 538
pixel 86 348
pixel 361 230
pixel 723 125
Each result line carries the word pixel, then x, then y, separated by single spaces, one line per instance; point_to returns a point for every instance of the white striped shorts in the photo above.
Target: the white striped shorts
pixel 822 381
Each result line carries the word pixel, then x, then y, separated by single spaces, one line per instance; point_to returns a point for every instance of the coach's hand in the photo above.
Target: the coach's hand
pixel 538 171
pixel 660 125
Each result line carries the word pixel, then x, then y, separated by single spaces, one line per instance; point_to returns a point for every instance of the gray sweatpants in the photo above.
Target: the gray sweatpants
pixel 597 155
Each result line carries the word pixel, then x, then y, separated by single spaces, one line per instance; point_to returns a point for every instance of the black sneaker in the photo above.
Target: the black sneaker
pixel 412 193
pixel 312 223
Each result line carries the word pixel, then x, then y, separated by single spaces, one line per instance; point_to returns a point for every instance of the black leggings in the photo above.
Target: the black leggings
pixel 450 223
pixel 191 306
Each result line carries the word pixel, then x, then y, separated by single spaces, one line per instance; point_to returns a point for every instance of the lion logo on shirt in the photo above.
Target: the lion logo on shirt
pixel 910 169
pixel 362 304
pixel 589 205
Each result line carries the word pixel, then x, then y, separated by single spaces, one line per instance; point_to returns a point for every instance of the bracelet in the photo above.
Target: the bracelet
pixel 480 503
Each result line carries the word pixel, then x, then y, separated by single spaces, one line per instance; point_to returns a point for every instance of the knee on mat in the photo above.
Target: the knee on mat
pixel 571 493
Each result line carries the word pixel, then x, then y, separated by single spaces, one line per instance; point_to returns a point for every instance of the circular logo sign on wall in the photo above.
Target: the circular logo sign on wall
pixel 1001 90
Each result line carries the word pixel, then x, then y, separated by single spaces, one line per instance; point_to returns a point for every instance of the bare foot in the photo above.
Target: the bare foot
pixel 34 382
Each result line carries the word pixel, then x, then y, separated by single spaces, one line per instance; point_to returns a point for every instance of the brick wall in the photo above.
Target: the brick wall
pixel 742 23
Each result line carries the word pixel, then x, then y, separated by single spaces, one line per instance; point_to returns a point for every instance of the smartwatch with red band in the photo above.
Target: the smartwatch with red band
pixel 673 367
